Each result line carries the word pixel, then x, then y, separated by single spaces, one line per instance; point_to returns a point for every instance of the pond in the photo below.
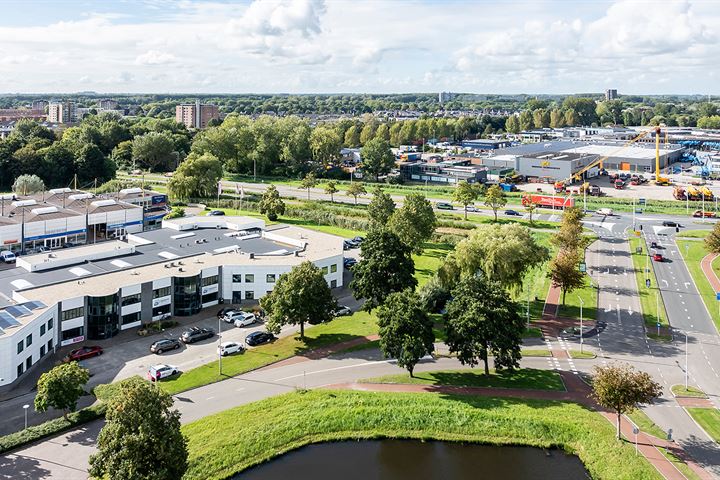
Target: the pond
pixel 411 459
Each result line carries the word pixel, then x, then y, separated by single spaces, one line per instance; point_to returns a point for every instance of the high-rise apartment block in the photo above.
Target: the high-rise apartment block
pixel 196 115
pixel 611 94
pixel 62 112
pixel 107 104
pixel 445 96
pixel 39 105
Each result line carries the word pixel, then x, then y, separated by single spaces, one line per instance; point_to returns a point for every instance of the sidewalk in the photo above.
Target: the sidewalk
pixel 706 265
pixel 577 391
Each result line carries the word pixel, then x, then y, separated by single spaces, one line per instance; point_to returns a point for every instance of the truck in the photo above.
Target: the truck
pixel 595 191
pixel 559 187
pixel 548 201
pixel 508 187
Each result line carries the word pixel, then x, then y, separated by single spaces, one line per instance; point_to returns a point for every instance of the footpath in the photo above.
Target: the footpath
pixel 576 391
pixel 706 265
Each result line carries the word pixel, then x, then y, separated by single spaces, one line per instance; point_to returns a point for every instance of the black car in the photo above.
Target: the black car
pixel 216 213
pixel 225 310
pixel 668 223
pixel 164 345
pixel 512 213
pixel 349 262
pixel 258 338
pixel 358 240
pixel 349 244
pixel 196 334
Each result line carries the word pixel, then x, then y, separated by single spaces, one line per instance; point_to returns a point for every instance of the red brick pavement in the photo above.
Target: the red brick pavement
pixel 706 265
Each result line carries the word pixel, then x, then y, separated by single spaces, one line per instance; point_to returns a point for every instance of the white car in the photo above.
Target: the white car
pixel 343 311
pixel 156 372
pixel 242 319
pixel 7 256
pixel 472 208
pixel 226 348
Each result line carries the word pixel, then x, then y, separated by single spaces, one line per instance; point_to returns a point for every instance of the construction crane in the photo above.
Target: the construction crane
pixel 658 179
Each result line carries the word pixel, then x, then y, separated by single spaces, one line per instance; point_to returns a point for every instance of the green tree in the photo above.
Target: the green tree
pixel 712 241
pixel 530 207
pixel 503 253
pixel 368 132
pixel 28 184
pixel 512 125
pixel 481 321
pixel 154 151
pixel 495 199
pixel 406 331
pixel 352 137
pixel 584 108
pixel 526 120
pixel 331 189
pixel 383 132
pixel 92 166
pixel 414 222
pixel 61 387
pixel 325 144
pixel 570 234
pixel 386 266
pixel 557 119
pixel 564 271
pixel 571 118
pixel 271 204
pixel 623 389
pixel 300 296
pixel 377 158
pixel 308 182
pixel 197 176
pixel 465 194
pixel 141 439
pixel 381 208
pixel 355 189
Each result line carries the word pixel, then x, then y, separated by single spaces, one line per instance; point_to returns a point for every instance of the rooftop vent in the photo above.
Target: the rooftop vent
pixel 128 191
pixel 57 191
pixel 103 203
pixel 24 203
pixel 81 196
pixel 44 210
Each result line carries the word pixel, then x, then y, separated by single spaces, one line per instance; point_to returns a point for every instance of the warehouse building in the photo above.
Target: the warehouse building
pixel 93 292
pixel 447 172
pixel 554 166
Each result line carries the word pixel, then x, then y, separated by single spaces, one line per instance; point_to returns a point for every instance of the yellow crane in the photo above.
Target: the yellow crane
pixel 658 179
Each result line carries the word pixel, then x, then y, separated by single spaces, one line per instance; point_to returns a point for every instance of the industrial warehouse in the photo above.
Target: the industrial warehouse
pixel 93 292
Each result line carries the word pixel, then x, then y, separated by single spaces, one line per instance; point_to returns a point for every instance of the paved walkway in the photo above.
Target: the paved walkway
pixel 577 391
pixel 706 265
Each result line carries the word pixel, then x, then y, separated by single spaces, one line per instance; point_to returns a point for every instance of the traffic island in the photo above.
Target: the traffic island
pixel 689 392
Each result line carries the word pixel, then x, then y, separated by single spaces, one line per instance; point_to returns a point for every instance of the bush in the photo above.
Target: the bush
pixel 51 427
pixel 449 238
pixel 433 296
pixel 106 391
pixel 176 212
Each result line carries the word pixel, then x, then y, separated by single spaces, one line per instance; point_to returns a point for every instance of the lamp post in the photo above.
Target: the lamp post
pixel 581 323
pixel 25 407
pixel 686 359
pixel 219 347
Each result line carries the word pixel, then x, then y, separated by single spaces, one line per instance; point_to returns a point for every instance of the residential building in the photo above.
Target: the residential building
pixel 93 292
pixel 39 105
pixel 107 104
pixel 196 115
pixel 445 97
pixel 14 114
pixel 62 112
pixel 611 94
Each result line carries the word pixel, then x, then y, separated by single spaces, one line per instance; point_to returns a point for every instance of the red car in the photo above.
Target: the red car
pixel 83 353
pixel 658 257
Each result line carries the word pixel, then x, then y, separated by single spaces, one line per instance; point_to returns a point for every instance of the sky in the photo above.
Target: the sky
pixel 360 46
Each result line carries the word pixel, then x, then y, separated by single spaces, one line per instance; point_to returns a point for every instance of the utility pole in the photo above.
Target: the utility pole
pixel 581 323
pixel 219 347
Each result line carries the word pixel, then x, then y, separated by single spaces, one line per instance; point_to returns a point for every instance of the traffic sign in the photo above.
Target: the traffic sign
pixel 583 267
pixel 647 282
pixel 641 201
pixel 658 325
pixel 717 296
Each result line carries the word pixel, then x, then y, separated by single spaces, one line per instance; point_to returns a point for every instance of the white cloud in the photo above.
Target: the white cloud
pixel 155 57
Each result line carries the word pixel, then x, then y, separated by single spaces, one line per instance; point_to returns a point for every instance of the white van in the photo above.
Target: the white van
pixel 605 211
pixel 7 256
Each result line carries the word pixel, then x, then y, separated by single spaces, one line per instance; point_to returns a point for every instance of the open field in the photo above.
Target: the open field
pixel 226 443
pixel 693 252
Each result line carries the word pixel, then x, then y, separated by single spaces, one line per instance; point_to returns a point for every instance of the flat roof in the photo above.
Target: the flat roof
pixel 564 155
pixel 596 147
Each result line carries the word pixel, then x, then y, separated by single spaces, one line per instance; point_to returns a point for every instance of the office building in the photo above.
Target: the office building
pixel 196 115
pixel 107 104
pixel 93 292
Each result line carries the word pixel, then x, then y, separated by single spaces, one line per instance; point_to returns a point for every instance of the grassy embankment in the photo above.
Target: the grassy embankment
pixel 226 443
pixel 708 419
pixel 693 252
pixel 648 301
pixel 525 378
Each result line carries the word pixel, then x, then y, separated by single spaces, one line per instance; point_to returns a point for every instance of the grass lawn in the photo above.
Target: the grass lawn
pixel 693 252
pixel 341 329
pixel 644 423
pixel 578 354
pixel 527 378
pixel 680 465
pixel 648 302
pixel 536 283
pixel 588 294
pixel 428 263
pixel 534 352
pixel 694 233
pixel 709 420
pixel 532 332
pixel 681 391
pixel 224 444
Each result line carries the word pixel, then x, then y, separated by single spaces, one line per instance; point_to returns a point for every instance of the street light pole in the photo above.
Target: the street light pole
pixel 219 349
pixel 581 323
pixel 686 360
pixel 25 407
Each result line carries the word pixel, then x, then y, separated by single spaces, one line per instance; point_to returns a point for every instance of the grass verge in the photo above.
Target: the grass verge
pixel 687 472
pixel 644 423
pixel 693 233
pixel 693 252
pixel 534 352
pixel 526 378
pixel 708 419
pixel 578 354
pixel 226 443
pixel 693 392
pixel 648 301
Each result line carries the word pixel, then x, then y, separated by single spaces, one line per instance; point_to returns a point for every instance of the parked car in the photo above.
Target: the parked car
pixel 513 213
pixel 358 240
pixel 227 317
pixel 83 353
pixel 444 206
pixel 349 245
pixel 156 372
pixel 196 334
pixel 700 214
pixel 668 223
pixel 658 257
pixel 349 262
pixel 653 245
pixel 342 311
pixel 225 310
pixel 258 338
pixel 227 348
pixel 216 213
pixel 7 256
pixel 242 319
pixel 164 345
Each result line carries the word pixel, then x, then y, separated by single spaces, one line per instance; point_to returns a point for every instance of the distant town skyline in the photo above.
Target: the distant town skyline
pixel 338 46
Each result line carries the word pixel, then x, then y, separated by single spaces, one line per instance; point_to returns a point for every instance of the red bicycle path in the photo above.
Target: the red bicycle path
pixel 706 265
pixel 576 391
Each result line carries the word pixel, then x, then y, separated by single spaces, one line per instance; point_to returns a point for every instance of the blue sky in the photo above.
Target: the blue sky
pixel 376 46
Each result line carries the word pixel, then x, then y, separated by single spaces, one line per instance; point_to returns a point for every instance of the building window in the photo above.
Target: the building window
pixel 209 281
pixel 49 345
pixel 333 283
pixel 333 268
pixel 162 310
pixel 73 313
pixel 50 324
pixel 42 351
pixel 28 362
pixel 249 295
pixel 210 297
pixel 130 318
pixel 19 369
pixel 42 329
pixel 20 346
pixel 72 333
pixel 130 300
pixel 325 270
pixel 249 278
pixel 186 296
pixel 237 278
pixel 270 278
pixel 161 292
pixel 28 340
pixel 103 320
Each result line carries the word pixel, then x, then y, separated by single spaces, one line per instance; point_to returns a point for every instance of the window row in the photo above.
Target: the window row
pixel 73 313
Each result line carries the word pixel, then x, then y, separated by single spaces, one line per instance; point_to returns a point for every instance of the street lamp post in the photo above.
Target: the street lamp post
pixel 219 345
pixel 25 407
pixel 686 360
pixel 581 323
